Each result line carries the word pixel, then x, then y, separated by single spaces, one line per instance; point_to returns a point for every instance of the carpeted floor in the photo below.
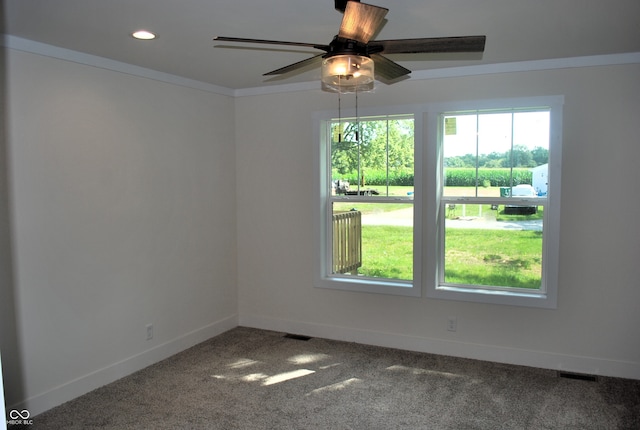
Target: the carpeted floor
pixel 256 379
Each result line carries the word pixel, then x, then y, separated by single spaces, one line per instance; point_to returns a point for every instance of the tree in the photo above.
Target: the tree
pixel 540 155
pixel 372 145
pixel 519 156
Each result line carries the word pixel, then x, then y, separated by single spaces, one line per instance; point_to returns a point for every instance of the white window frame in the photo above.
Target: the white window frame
pixel 434 221
pixel 323 278
pixel 427 181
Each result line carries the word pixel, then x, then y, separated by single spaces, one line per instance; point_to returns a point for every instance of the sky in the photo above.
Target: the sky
pixel 494 132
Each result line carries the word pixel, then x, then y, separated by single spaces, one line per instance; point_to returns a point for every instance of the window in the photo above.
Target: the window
pixel 367 206
pixel 461 199
pixel 497 204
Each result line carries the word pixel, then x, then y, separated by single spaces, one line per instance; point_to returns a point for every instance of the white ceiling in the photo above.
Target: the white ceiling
pixel 516 30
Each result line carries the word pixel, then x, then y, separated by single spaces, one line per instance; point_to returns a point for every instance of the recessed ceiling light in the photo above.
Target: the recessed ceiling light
pixel 143 35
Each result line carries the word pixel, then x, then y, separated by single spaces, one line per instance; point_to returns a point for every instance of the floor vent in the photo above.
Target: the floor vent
pixel 579 376
pixel 297 337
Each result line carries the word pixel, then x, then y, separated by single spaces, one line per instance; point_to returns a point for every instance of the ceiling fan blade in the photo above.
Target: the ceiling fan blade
pixel 431 44
pixel 271 42
pixel 361 21
pixel 296 66
pixel 387 69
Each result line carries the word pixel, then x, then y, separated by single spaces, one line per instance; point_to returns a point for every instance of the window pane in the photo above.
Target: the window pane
pixel 487 246
pixel 373 240
pixel 485 153
pixel 373 157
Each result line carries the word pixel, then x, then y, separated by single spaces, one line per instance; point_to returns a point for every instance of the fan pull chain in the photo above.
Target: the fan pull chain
pixel 357 120
pixel 360 178
pixel 339 117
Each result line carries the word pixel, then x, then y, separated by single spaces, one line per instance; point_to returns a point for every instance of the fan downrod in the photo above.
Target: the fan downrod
pixel 341 5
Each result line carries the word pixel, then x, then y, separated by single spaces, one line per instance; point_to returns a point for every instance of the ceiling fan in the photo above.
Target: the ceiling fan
pixel 348 60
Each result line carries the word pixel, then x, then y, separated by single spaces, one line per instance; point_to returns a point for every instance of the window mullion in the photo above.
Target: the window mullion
pixel 512 159
pixel 387 153
pixel 477 153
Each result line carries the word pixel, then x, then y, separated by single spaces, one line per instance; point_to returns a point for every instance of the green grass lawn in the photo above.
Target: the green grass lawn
pixel 501 258
pixel 387 252
pixel 479 257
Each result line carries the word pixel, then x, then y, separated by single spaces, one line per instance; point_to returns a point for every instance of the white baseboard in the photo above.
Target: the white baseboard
pixel 498 354
pixel 84 384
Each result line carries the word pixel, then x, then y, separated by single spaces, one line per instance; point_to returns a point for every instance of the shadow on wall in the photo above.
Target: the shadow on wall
pixel 12 374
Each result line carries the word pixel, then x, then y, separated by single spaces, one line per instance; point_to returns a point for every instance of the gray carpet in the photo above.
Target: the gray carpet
pixel 257 379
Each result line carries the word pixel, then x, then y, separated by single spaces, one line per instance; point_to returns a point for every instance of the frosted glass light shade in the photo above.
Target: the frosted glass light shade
pixel 347 73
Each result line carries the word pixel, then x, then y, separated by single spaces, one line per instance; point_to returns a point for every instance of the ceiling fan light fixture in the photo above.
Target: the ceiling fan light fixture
pixel 347 73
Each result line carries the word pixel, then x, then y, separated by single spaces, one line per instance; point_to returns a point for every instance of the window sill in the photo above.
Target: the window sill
pixel 478 295
pixel 368 285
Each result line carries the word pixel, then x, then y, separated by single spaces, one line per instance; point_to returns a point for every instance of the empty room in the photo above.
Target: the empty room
pixel 320 214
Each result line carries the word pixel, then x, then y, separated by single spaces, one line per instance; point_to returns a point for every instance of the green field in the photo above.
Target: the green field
pixel 387 252
pixel 503 258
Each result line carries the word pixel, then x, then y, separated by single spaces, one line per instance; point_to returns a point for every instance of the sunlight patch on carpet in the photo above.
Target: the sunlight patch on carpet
pixel 307 358
pixel 252 377
pixel 286 376
pixel 336 387
pixel 418 371
pixel 328 366
pixel 242 363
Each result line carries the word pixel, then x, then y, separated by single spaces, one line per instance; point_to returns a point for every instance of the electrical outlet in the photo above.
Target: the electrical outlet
pixel 452 324
pixel 149 331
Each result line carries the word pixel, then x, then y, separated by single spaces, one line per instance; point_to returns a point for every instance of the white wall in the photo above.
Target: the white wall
pixel 122 196
pixel 134 201
pixel 596 326
pixel 8 335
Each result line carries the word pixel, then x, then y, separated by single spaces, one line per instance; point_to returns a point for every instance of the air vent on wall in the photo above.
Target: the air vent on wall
pixel 297 337
pixel 578 376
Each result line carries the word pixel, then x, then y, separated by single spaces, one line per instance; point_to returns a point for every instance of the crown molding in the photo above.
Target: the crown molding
pixel 26 45
pixel 528 66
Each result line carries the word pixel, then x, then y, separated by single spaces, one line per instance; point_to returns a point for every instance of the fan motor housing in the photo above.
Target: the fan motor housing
pixel 341 5
pixel 340 46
